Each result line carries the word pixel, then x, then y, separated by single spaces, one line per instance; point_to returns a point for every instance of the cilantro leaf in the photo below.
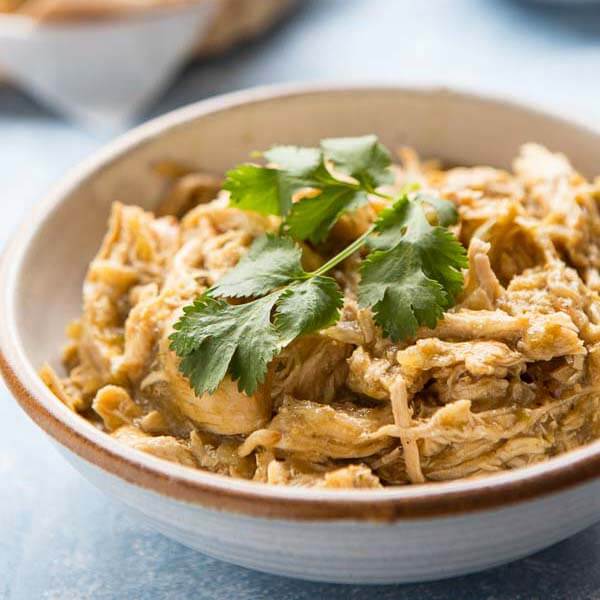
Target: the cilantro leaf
pixel 261 189
pixel 312 218
pixel 307 307
pixel 443 257
pixel 296 161
pixel 214 337
pixel 271 262
pixel 415 273
pixel 445 210
pixel 401 295
pixel 270 190
pixel 407 218
pixel 363 158
pixel 256 188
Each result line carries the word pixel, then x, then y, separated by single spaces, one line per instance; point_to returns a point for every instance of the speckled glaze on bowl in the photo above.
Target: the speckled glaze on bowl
pixel 371 536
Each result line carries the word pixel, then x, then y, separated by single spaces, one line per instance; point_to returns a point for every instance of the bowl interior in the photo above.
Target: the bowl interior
pixel 66 230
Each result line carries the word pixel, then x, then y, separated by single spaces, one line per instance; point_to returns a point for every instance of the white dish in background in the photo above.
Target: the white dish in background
pixel 103 69
pixel 361 536
pixel 102 72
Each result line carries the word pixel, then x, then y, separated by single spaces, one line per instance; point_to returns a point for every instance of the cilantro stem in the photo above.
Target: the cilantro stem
pixel 353 247
pixel 358 187
pixel 343 255
pixel 381 195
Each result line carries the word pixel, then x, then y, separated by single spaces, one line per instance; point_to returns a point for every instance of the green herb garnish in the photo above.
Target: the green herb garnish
pixel 409 278
pixel 414 272
pixel 270 190
pixel 214 338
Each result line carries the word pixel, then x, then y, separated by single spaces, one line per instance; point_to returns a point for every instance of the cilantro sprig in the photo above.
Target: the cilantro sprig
pixel 214 337
pixel 410 276
pixel 342 172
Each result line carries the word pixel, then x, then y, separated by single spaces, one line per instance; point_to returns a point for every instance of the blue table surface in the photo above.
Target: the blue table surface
pixel 60 538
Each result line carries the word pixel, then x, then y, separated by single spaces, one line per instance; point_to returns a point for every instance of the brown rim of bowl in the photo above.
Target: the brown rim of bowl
pixel 259 500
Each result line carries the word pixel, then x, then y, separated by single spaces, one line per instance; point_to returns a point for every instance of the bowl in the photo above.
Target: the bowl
pixel 401 534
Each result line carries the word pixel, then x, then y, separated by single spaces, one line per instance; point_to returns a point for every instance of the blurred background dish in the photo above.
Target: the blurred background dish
pixel 233 21
pixel 103 61
pixel 238 21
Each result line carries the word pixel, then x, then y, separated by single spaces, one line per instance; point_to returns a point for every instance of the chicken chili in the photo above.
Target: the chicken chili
pixel 329 319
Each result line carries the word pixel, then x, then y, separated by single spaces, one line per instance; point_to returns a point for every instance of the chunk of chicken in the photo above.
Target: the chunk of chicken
pixel 115 406
pixel 136 250
pixel 227 411
pixel 478 358
pixel 163 446
pixel 355 326
pixel 221 456
pixel 141 331
pixel 566 203
pixel 465 324
pixel 419 362
pixel 369 375
pixel 311 368
pixel 63 389
pixel 354 476
pixel 482 287
pixel 295 472
pixel 538 336
pixel 555 288
pixel 322 431
pixel 154 423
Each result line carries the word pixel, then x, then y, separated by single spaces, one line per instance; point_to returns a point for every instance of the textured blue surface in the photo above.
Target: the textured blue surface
pixel 62 539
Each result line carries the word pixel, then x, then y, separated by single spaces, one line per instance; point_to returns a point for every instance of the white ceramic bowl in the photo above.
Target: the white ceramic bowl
pixel 389 535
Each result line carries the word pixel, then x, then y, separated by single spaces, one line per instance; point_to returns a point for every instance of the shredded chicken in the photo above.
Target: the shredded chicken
pixel 510 376
pixel 115 406
pixel 163 446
